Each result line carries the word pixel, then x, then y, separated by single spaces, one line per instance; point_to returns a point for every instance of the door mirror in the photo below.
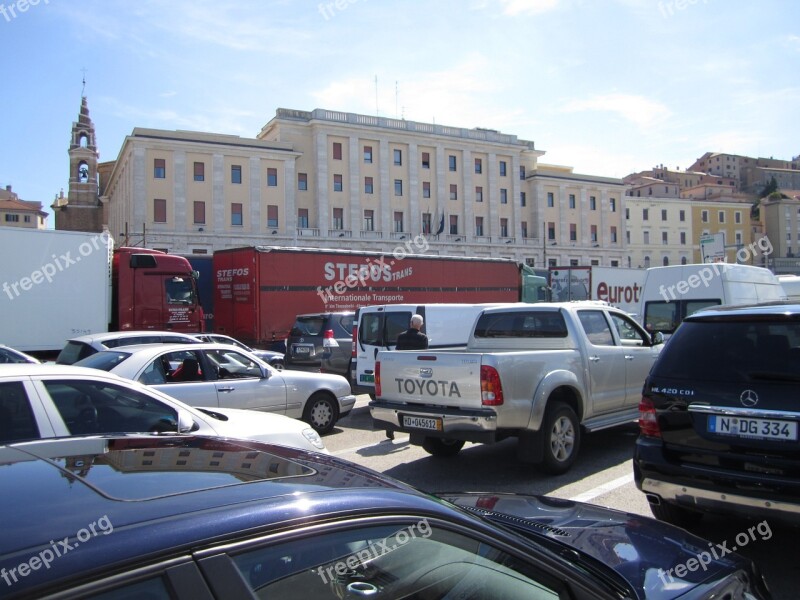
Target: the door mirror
pixel 657 338
pixel 186 423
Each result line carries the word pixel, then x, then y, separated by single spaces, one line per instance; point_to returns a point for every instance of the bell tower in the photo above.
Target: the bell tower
pixel 81 210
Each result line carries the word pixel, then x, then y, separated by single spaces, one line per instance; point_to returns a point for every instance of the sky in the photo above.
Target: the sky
pixel 608 87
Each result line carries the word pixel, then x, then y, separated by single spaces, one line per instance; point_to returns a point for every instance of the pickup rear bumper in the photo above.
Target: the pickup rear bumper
pixel 476 425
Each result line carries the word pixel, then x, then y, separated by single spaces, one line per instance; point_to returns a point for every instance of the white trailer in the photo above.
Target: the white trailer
pixel 54 285
pixel 620 287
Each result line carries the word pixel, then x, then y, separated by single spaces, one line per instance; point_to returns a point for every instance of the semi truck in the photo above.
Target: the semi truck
pixel 620 287
pixel 55 285
pixel 260 289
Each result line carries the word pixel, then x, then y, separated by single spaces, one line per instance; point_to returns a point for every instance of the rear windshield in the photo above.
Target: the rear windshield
pixel 73 352
pixel 308 326
pixel 105 360
pixel 528 324
pixel 732 351
pixel 666 316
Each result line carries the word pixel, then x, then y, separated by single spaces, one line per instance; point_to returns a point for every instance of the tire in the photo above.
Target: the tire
pixel 277 365
pixel 321 412
pixel 676 515
pixel 561 438
pixel 442 447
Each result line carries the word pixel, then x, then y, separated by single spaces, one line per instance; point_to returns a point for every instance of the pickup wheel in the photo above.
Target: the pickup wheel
pixel 321 412
pixel 442 447
pixel 561 438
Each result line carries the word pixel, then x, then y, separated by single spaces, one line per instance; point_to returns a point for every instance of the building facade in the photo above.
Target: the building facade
pixel 20 213
pixel 659 232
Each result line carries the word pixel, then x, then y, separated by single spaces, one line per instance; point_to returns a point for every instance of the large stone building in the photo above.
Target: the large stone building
pixel 20 213
pixel 333 179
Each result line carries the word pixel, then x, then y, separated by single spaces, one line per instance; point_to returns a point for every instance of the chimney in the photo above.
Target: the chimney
pixel 8 188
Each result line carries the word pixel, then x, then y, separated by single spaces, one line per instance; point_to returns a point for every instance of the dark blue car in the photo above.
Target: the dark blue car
pixel 193 517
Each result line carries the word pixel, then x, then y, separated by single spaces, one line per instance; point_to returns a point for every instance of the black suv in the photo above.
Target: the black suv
pixel 720 415
pixel 322 340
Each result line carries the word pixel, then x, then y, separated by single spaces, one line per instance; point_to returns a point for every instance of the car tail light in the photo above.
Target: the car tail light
pixel 377 379
pixel 328 335
pixel 491 389
pixel 328 341
pixel 648 419
pixel 486 502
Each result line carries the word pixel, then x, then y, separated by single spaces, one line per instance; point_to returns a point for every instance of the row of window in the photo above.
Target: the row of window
pixel 573 233
pixel 704 215
pixel 199 172
pixel 572 204
pixel 11 218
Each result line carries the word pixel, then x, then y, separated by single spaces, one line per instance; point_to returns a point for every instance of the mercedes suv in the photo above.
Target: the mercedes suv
pixel 321 341
pixel 719 417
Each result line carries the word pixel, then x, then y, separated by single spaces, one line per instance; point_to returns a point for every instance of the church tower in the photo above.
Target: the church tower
pixel 81 210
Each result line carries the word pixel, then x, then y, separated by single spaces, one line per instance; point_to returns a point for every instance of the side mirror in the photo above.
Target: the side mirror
pixel 185 422
pixel 657 338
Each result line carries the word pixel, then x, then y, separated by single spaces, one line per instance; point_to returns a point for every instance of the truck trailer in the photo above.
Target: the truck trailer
pixel 55 285
pixel 620 287
pixel 260 289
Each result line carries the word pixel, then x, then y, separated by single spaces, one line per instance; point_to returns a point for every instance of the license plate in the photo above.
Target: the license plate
pixel 760 429
pixel 366 378
pixel 302 350
pixel 422 423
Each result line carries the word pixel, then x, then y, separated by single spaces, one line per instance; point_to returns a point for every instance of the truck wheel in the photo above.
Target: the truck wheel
pixel 321 412
pixel 561 438
pixel 675 515
pixel 442 447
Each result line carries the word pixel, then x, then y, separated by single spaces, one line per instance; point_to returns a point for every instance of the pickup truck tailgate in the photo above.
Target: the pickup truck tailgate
pixel 442 378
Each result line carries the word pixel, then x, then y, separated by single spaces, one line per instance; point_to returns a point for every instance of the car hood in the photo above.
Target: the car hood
pixel 259 426
pixel 643 551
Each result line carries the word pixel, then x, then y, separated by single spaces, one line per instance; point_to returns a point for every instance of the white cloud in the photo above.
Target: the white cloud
pixel 528 7
pixel 641 111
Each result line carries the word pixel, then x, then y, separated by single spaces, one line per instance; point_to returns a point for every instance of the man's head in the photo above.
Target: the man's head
pixel 416 321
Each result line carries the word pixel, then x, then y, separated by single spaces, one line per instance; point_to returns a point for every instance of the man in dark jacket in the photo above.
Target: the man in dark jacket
pixel 412 338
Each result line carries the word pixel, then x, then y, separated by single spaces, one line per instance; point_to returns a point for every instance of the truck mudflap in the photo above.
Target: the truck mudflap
pixel 473 425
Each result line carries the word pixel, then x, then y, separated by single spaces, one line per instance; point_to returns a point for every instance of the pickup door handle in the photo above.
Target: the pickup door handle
pixel 594 358
pixel 226 389
pixel 629 357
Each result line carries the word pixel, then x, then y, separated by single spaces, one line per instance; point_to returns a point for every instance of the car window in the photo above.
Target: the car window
pixel 345 326
pixel 518 324
pixel 369 331
pixel 401 561
pixel 91 407
pixel 73 352
pixel 16 417
pixel 596 327
pixel 230 364
pixel 179 291
pixel 178 339
pixel 149 589
pixel 105 360
pixel 179 366
pixel 133 340
pixel 308 326
pixel 6 356
pixel 629 332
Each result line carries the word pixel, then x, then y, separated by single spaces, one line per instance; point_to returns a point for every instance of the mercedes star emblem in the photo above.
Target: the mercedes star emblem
pixel 748 398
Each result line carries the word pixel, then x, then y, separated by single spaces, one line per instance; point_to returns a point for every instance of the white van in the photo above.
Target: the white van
pixel 791 286
pixel 673 293
pixel 377 327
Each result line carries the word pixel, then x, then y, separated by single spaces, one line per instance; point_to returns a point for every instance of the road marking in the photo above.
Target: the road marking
pixel 354 449
pixel 603 489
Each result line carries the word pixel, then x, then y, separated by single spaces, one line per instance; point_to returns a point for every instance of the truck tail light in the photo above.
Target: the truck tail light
pixel 491 388
pixel 648 419
pixel 377 379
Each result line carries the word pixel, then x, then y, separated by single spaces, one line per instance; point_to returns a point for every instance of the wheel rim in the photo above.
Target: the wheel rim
pixel 562 439
pixel 321 414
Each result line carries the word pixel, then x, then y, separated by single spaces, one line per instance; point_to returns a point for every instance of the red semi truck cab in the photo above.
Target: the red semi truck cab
pixel 154 290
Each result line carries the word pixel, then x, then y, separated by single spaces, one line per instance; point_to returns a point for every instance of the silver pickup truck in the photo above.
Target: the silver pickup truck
pixel 539 372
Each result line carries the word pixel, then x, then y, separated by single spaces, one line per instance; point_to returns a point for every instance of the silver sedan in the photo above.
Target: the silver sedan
pixel 228 377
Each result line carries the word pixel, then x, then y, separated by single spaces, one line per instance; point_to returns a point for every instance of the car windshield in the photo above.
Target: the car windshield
pixel 105 361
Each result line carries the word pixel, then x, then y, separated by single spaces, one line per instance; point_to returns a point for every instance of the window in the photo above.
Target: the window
pixel 426 160
pixel 398 157
pixel 682 215
pixel 337 183
pixel 367 154
pixel 236 213
pixel 27 218
pixel 592 203
pixel 683 238
pixel 550 200
pixel 612 203
pixel 199 212
pixel 160 210
pixel 524 227
pixel 645 214
pixel 503 196
pixel 426 223
pixel 199 171
pixel 236 173
pixel 664 238
pixel 738 238
pixel 572 200
pixel 663 214
pixel 573 232
pixel 398 187
pixel 613 235
pixel 737 217
pixel 337 151
pixel 369 220
pixel 551 231
pixel 272 215
pixel 368 186
pixel 338 218
pixel 451 161
pixel 272 177
pixel 504 227
pixel 478 165
pixel 665 261
pixel 302 218
pixel 646 237
pixel 596 327
pixel 453 224
pixel 704 216
pixel 523 200
pixel 453 191
pixel 159 168
pixel 628 236
pixel 593 233
pixel 398 221
pixel 502 168
pixel 426 189
pixel 302 181
pixel 522 172
pixel 479 226
pixel 721 215
pixel 478 194
pixel 627 214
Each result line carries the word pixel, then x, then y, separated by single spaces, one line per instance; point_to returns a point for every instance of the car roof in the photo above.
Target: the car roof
pixel 116 335
pixel 326 314
pixel 159 505
pixel 785 308
pixel 176 347
pixel 52 369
